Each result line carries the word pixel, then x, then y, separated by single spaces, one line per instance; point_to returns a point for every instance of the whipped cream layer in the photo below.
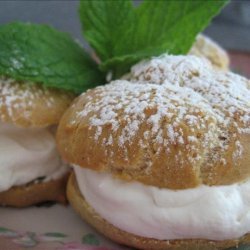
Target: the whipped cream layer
pixel 214 213
pixel 27 154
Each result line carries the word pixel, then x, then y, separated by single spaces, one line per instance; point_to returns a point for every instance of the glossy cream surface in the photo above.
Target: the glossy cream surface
pixel 214 213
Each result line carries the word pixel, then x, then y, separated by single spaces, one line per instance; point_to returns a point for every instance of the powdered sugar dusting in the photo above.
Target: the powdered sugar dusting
pixel 180 100
pixel 227 93
pixel 19 96
pixel 176 69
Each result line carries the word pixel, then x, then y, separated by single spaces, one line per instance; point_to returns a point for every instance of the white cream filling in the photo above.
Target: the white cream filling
pixel 26 154
pixel 214 213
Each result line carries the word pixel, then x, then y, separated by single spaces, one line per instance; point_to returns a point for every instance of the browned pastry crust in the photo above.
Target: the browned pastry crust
pixel 30 104
pixel 88 214
pixel 34 193
pixel 205 47
pixel 206 151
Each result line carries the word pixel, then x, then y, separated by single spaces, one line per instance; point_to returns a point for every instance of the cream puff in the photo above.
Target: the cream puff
pixel 207 48
pixel 31 170
pixel 162 160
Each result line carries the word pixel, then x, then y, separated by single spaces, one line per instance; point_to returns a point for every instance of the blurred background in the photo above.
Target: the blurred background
pixel 231 28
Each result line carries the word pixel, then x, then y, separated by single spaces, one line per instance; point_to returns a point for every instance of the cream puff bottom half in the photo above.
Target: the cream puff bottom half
pixel 27 154
pixel 88 214
pixel 216 213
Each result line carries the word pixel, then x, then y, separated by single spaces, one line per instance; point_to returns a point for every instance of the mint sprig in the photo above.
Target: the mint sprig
pixel 41 54
pixel 101 20
pixel 120 34
pixel 123 35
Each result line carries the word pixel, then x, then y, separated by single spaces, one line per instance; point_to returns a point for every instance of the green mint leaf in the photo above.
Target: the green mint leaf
pixel 103 24
pixel 153 28
pixel 41 54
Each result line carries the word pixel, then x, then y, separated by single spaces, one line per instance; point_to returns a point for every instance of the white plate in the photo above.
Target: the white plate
pixel 55 227
pixel 51 228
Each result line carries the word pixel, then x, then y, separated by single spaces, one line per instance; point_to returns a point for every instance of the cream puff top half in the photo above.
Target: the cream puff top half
pixel 176 123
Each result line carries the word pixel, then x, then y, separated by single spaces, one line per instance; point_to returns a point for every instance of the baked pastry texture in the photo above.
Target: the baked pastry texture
pixel 31 105
pixel 176 125
pixel 35 193
pixel 175 113
pixel 27 113
pixel 209 49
